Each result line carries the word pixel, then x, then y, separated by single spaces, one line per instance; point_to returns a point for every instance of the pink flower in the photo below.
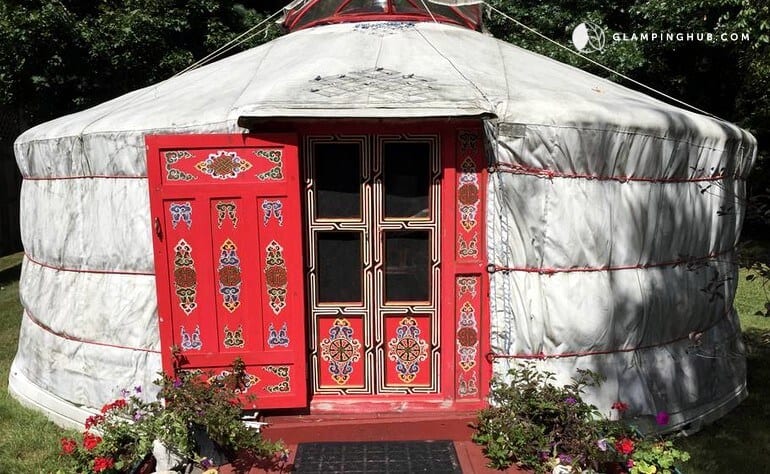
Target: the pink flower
pixel 662 418
pixel 602 444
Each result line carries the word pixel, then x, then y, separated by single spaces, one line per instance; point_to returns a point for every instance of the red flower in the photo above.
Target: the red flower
pixel 94 420
pixel 68 445
pixel 620 406
pixel 119 403
pixel 90 441
pixel 102 464
pixel 624 446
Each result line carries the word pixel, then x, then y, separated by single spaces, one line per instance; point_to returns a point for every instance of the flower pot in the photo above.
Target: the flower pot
pixel 145 466
pixel 207 447
pixel 614 467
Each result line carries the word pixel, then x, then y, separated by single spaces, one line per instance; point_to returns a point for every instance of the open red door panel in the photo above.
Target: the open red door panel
pixel 228 257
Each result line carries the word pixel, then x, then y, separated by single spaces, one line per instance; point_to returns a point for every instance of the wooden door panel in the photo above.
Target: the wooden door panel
pixel 228 249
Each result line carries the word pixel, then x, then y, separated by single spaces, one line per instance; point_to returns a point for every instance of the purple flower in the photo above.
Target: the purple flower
pixel 565 459
pixel 125 393
pixel 662 418
pixel 138 389
pixel 602 444
pixel 543 455
pixel 138 415
pixel 177 383
pixel 206 463
pixel 570 400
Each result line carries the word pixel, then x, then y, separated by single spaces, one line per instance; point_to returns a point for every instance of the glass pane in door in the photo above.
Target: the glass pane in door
pixel 337 180
pixel 407 265
pixel 338 263
pixel 407 179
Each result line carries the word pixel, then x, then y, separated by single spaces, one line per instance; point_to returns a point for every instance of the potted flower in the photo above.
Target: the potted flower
pixel 196 419
pixel 538 425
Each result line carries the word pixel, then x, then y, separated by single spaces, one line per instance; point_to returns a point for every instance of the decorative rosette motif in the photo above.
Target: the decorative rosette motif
pixel 407 349
pixel 340 350
pixel 185 277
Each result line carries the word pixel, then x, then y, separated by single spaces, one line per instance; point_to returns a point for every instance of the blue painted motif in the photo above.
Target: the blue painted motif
pixel 192 341
pixel 278 338
pixel 272 209
pixel 181 212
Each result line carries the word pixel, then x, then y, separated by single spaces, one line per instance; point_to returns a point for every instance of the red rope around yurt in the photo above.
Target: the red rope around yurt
pixel 492 268
pixel 78 270
pixel 491 356
pixel 69 337
pixel 549 174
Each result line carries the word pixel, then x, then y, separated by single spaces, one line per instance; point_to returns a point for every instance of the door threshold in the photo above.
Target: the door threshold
pixel 437 425
pixel 379 404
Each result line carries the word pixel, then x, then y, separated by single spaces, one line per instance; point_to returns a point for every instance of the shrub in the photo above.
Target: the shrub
pixel 548 428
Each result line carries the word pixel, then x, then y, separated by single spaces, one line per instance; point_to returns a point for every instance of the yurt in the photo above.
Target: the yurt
pixel 381 211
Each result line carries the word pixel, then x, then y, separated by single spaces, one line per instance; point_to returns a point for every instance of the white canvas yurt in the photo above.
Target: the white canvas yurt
pixel 380 211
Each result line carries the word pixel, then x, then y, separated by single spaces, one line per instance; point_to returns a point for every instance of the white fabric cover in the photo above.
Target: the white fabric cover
pixel 85 208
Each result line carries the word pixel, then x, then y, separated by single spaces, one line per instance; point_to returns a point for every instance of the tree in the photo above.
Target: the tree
pixel 58 57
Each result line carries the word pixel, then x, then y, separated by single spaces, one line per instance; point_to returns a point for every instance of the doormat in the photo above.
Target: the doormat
pixel 389 457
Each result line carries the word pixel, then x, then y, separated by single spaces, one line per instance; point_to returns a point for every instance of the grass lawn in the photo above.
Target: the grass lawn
pixel 737 443
pixel 28 441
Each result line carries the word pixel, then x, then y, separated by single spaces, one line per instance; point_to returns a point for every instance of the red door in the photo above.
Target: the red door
pixel 396 279
pixel 228 258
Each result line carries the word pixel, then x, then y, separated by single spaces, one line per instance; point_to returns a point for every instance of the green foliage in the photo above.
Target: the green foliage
pixel 211 404
pixel 539 425
pixel 122 436
pixel 657 457
pixel 532 422
pixel 56 57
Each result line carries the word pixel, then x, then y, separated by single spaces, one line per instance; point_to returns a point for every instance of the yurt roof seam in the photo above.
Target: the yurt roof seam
pixel 82 134
pixel 641 266
pixel 81 270
pixel 454 66
pixel 68 337
pixel 491 356
pixel 233 107
pixel 745 140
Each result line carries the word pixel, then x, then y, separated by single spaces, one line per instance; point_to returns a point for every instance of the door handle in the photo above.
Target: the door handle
pixel 158 229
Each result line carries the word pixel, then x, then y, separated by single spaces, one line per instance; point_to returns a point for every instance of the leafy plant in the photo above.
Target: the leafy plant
pixel 548 428
pixel 121 436
pixel 660 457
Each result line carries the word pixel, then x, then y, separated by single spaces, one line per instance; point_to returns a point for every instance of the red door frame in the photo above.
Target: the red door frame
pixel 465 373
pixel 459 139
